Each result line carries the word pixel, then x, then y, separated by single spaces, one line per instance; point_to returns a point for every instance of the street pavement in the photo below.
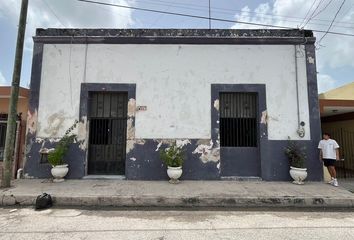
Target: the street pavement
pixel 116 193
pixel 60 223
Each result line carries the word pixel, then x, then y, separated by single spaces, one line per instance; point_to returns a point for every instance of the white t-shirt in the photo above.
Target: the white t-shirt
pixel 328 148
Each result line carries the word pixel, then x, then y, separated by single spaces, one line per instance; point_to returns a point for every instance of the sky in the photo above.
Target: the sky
pixel 335 53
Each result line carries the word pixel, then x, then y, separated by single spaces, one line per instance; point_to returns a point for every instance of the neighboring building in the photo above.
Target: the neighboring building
pixel 231 97
pixel 337 118
pixel 22 108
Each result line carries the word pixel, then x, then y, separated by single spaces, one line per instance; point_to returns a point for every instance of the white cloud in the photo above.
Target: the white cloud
pixel 325 83
pixel 259 15
pixel 67 14
pixel 3 81
pixel 337 51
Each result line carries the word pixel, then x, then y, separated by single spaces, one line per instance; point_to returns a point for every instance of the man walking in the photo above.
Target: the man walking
pixel 329 153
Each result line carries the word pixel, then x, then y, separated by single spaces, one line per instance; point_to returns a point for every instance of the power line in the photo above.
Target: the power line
pixel 335 16
pixel 223 10
pixel 180 14
pixel 308 12
pixel 206 18
pixel 158 17
pixel 348 10
pixel 312 14
pixel 50 9
pixel 324 8
pixel 199 8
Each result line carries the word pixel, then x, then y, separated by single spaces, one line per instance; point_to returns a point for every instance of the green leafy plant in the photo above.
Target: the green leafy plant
pixel 296 154
pixel 172 156
pixel 56 157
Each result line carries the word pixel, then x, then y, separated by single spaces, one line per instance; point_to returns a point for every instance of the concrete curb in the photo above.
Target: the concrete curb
pixel 189 194
pixel 184 202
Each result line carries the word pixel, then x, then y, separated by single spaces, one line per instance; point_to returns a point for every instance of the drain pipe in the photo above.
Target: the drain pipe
pixel 300 130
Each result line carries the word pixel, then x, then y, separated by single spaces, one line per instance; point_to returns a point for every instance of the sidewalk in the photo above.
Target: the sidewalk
pixel 120 193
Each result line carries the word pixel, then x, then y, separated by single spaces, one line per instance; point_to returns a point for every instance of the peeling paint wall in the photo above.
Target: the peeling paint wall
pixel 143 162
pixel 208 152
pixel 54 124
pixel 32 121
pixel 165 73
pixel 82 133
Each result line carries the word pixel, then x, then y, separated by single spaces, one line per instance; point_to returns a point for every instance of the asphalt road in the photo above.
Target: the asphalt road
pixel 53 224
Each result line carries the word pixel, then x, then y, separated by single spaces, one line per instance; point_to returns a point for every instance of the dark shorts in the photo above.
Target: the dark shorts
pixel 329 162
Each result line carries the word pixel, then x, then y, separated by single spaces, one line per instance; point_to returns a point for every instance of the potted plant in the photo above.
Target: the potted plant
pixel 173 157
pixel 297 156
pixel 56 156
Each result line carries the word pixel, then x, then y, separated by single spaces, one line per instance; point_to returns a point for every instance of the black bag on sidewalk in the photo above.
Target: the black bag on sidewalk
pixel 44 201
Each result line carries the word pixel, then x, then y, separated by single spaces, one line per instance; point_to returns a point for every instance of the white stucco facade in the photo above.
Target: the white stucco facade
pixel 174 83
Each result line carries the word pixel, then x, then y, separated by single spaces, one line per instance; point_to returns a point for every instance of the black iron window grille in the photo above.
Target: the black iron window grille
pixel 238 119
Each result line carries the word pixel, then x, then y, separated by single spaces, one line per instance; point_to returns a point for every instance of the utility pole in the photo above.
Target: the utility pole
pixel 12 115
pixel 209 15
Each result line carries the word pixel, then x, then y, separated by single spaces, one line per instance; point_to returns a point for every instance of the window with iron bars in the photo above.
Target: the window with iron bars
pixel 238 119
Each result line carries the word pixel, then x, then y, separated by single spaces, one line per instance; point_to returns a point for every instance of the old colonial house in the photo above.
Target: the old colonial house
pixel 232 98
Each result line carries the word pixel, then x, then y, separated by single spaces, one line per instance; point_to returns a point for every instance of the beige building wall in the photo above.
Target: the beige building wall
pixel 22 107
pixel 345 92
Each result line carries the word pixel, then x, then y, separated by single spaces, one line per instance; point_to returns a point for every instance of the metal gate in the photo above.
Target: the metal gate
pixel 238 123
pixel 3 126
pixel 108 130
pixel 345 139
pixel 17 142
pixel 238 134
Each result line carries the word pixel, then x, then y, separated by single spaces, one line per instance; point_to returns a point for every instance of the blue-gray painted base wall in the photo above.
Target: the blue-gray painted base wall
pixel 143 162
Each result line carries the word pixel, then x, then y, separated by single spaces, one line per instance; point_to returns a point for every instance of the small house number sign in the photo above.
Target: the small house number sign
pixel 141 108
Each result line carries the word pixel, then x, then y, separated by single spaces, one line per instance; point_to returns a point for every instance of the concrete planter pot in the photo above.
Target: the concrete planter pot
pixel 174 173
pixel 59 172
pixel 298 174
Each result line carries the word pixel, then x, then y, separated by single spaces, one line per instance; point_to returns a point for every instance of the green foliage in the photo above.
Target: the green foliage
pixel 296 154
pixel 56 157
pixel 172 156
